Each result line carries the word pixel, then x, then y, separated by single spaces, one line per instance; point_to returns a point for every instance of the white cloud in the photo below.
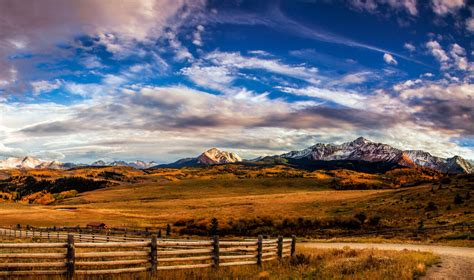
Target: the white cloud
pixel 444 7
pixel 213 77
pixel 259 52
pixel 458 54
pixel 410 6
pixel 42 86
pixel 355 78
pixel 407 84
pixel 452 92
pixel 438 52
pixel 181 52
pixel 197 35
pixel 10 152
pixel 348 99
pixel 388 58
pixel 237 61
pixel 409 47
pixel 470 24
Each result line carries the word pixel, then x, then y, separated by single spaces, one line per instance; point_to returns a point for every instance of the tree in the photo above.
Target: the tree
pixel 374 221
pixel 361 217
pixel 159 233
pixel 431 206
pixel 214 227
pixel 421 224
pixel 168 230
pixel 458 199
pixel 468 196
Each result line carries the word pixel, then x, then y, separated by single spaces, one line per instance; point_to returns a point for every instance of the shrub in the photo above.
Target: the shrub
pixel 300 259
pixel 213 228
pixel 361 217
pixel 374 221
pixel 458 199
pixel 431 206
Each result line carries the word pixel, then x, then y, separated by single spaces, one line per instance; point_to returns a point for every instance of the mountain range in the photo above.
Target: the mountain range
pixel 360 154
pixel 363 150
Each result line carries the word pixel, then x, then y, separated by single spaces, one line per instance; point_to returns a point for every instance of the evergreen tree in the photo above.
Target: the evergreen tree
pixel 168 230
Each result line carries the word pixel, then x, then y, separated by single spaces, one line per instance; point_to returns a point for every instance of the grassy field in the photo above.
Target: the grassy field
pixel 312 200
pixel 311 264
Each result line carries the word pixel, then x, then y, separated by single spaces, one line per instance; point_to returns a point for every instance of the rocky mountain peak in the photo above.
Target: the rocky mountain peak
pixel 361 140
pixel 216 156
pixel 362 149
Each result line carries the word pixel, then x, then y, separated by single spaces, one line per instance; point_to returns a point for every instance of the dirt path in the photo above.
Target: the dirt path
pixel 456 262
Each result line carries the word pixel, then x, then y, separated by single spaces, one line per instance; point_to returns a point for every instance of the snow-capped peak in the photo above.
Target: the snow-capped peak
pixel 216 156
pixel 366 150
pixel 28 162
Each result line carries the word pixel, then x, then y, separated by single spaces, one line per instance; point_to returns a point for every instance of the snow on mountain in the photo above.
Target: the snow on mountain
pixel 366 150
pixel 29 163
pixel 216 156
pixel 210 157
pixel 138 164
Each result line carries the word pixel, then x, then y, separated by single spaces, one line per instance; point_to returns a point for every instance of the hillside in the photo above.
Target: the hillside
pixel 254 199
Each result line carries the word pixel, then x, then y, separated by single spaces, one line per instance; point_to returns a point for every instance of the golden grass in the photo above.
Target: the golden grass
pixel 152 204
pixel 311 264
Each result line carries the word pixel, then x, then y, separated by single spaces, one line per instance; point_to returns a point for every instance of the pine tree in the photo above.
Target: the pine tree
pixel 168 230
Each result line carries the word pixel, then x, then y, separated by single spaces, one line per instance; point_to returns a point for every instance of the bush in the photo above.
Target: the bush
pixel 374 221
pixel 458 199
pixel 300 259
pixel 361 217
pixel 213 227
pixel 431 206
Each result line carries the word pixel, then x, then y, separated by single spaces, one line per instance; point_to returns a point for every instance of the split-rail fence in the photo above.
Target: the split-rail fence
pixel 101 256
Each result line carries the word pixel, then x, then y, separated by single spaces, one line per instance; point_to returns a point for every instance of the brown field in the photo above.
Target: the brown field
pixel 155 198
pixel 308 264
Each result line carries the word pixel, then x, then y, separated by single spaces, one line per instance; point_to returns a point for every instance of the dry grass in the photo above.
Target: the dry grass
pixel 312 264
pixel 156 198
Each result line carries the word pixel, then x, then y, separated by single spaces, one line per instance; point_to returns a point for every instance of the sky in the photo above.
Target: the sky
pixel 164 79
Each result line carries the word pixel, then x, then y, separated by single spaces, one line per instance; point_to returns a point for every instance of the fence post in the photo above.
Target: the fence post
pixel 71 256
pixel 215 251
pixel 259 250
pixel 280 247
pixel 154 255
pixel 293 245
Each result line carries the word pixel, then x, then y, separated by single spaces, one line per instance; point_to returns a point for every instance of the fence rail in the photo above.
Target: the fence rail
pixel 75 257
pixel 62 236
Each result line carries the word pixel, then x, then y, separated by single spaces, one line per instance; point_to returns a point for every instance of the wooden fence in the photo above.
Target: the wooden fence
pixel 62 236
pixel 153 255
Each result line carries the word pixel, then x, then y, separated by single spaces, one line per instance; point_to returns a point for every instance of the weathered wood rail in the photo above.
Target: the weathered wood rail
pixel 75 257
pixel 62 236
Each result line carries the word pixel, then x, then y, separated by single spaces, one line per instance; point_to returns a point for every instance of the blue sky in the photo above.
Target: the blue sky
pixel 161 79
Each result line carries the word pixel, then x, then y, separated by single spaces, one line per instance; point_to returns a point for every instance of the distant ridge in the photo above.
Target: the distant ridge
pixel 360 154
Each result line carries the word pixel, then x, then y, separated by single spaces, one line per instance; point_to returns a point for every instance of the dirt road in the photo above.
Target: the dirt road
pixel 456 262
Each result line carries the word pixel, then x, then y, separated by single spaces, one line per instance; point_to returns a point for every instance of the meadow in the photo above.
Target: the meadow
pixel 257 200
